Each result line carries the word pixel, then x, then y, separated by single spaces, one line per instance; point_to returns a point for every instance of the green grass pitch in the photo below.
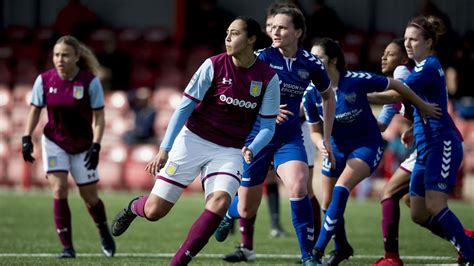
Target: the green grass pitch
pixel 27 234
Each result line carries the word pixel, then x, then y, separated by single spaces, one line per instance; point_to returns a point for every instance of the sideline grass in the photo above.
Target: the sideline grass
pixel 26 227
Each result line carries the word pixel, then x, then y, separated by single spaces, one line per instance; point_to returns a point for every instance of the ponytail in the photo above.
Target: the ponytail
pixel 432 27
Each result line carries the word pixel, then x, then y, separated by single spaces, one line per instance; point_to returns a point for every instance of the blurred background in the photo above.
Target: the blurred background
pixel 150 49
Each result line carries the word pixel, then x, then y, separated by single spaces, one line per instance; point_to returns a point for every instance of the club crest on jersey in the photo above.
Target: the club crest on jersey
pixel 52 161
pixel 255 88
pixel 171 168
pixel 303 74
pixel 351 97
pixel 78 92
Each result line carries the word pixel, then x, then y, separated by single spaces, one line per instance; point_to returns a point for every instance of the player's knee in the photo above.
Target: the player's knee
pixel 418 218
pixel 387 193
pixel 154 212
pixel 153 215
pixel 218 202
pixel 60 191
pixel 91 201
pixel 434 207
pixel 406 199
pixel 298 190
pixel 248 211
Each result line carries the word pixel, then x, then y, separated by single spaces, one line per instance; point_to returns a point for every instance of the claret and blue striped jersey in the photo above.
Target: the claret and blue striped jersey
pixel 230 98
pixel 70 104
pixel 354 120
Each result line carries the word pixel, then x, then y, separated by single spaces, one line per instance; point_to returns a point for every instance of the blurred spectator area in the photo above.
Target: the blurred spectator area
pixel 121 166
pixel 155 61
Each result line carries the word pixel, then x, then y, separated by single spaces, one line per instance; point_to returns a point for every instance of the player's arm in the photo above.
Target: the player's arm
pixel 322 82
pixel 96 93
pixel 97 105
pixel 329 110
pixel 313 118
pixel 268 112
pixel 386 116
pixel 316 135
pixel 401 72
pixel 37 103
pixel 426 109
pixel 99 125
pixel 193 94
pixel 32 120
pixel 385 97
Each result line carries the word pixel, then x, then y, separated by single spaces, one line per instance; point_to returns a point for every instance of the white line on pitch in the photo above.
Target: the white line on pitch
pixel 206 255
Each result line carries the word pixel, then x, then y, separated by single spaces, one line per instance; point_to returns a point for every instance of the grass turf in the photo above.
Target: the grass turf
pixel 26 227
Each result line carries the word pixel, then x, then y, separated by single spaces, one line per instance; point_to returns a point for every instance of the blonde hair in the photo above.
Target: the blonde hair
pixel 87 59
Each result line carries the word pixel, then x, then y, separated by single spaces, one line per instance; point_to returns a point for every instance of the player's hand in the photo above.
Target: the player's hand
pixel 325 148
pixel 92 156
pixel 247 154
pixel 407 138
pixel 430 109
pixel 27 149
pixel 283 114
pixel 154 166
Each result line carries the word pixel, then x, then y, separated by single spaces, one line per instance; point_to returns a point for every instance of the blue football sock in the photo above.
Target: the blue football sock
pixel 340 238
pixel 303 222
pixel 334 215
pixel 233 212
pixel 434 227
pixel 454 232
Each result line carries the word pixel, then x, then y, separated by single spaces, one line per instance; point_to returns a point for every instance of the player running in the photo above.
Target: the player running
pixel 206 137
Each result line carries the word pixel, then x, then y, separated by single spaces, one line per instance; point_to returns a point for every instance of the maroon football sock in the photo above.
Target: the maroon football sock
pixel 197 238
pixel 62 219
pixel 390 224
pixel 247 227
pixel 138 206
pixel 98 215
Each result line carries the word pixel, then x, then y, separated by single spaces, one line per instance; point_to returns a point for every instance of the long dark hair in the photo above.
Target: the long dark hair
pixel 252 27
pixel 333 50
pixel 400 43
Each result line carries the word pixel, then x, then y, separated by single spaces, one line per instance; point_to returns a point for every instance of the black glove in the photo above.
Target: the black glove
pixel 92 156
pixel 27 149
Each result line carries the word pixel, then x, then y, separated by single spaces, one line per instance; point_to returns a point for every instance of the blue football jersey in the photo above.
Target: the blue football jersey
pixel 354 121
pixel 295 76
pixel 427 80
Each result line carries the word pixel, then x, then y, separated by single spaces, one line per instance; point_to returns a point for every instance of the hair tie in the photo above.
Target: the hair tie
pixel 421 28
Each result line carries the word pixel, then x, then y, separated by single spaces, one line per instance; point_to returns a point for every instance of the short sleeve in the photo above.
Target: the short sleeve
pixel 271 98
pixel 319 75
pixel 200 82
pixel 310 105
pixel 37 98
pixel 96 93
pixel 387 114
pixel 370 82
pixel 401 72
pixel 420 78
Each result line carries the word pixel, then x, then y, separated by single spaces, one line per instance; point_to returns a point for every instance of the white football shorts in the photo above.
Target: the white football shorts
pixel 308 144
pixel 409 162
pixel 220 168
pixel 55 159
